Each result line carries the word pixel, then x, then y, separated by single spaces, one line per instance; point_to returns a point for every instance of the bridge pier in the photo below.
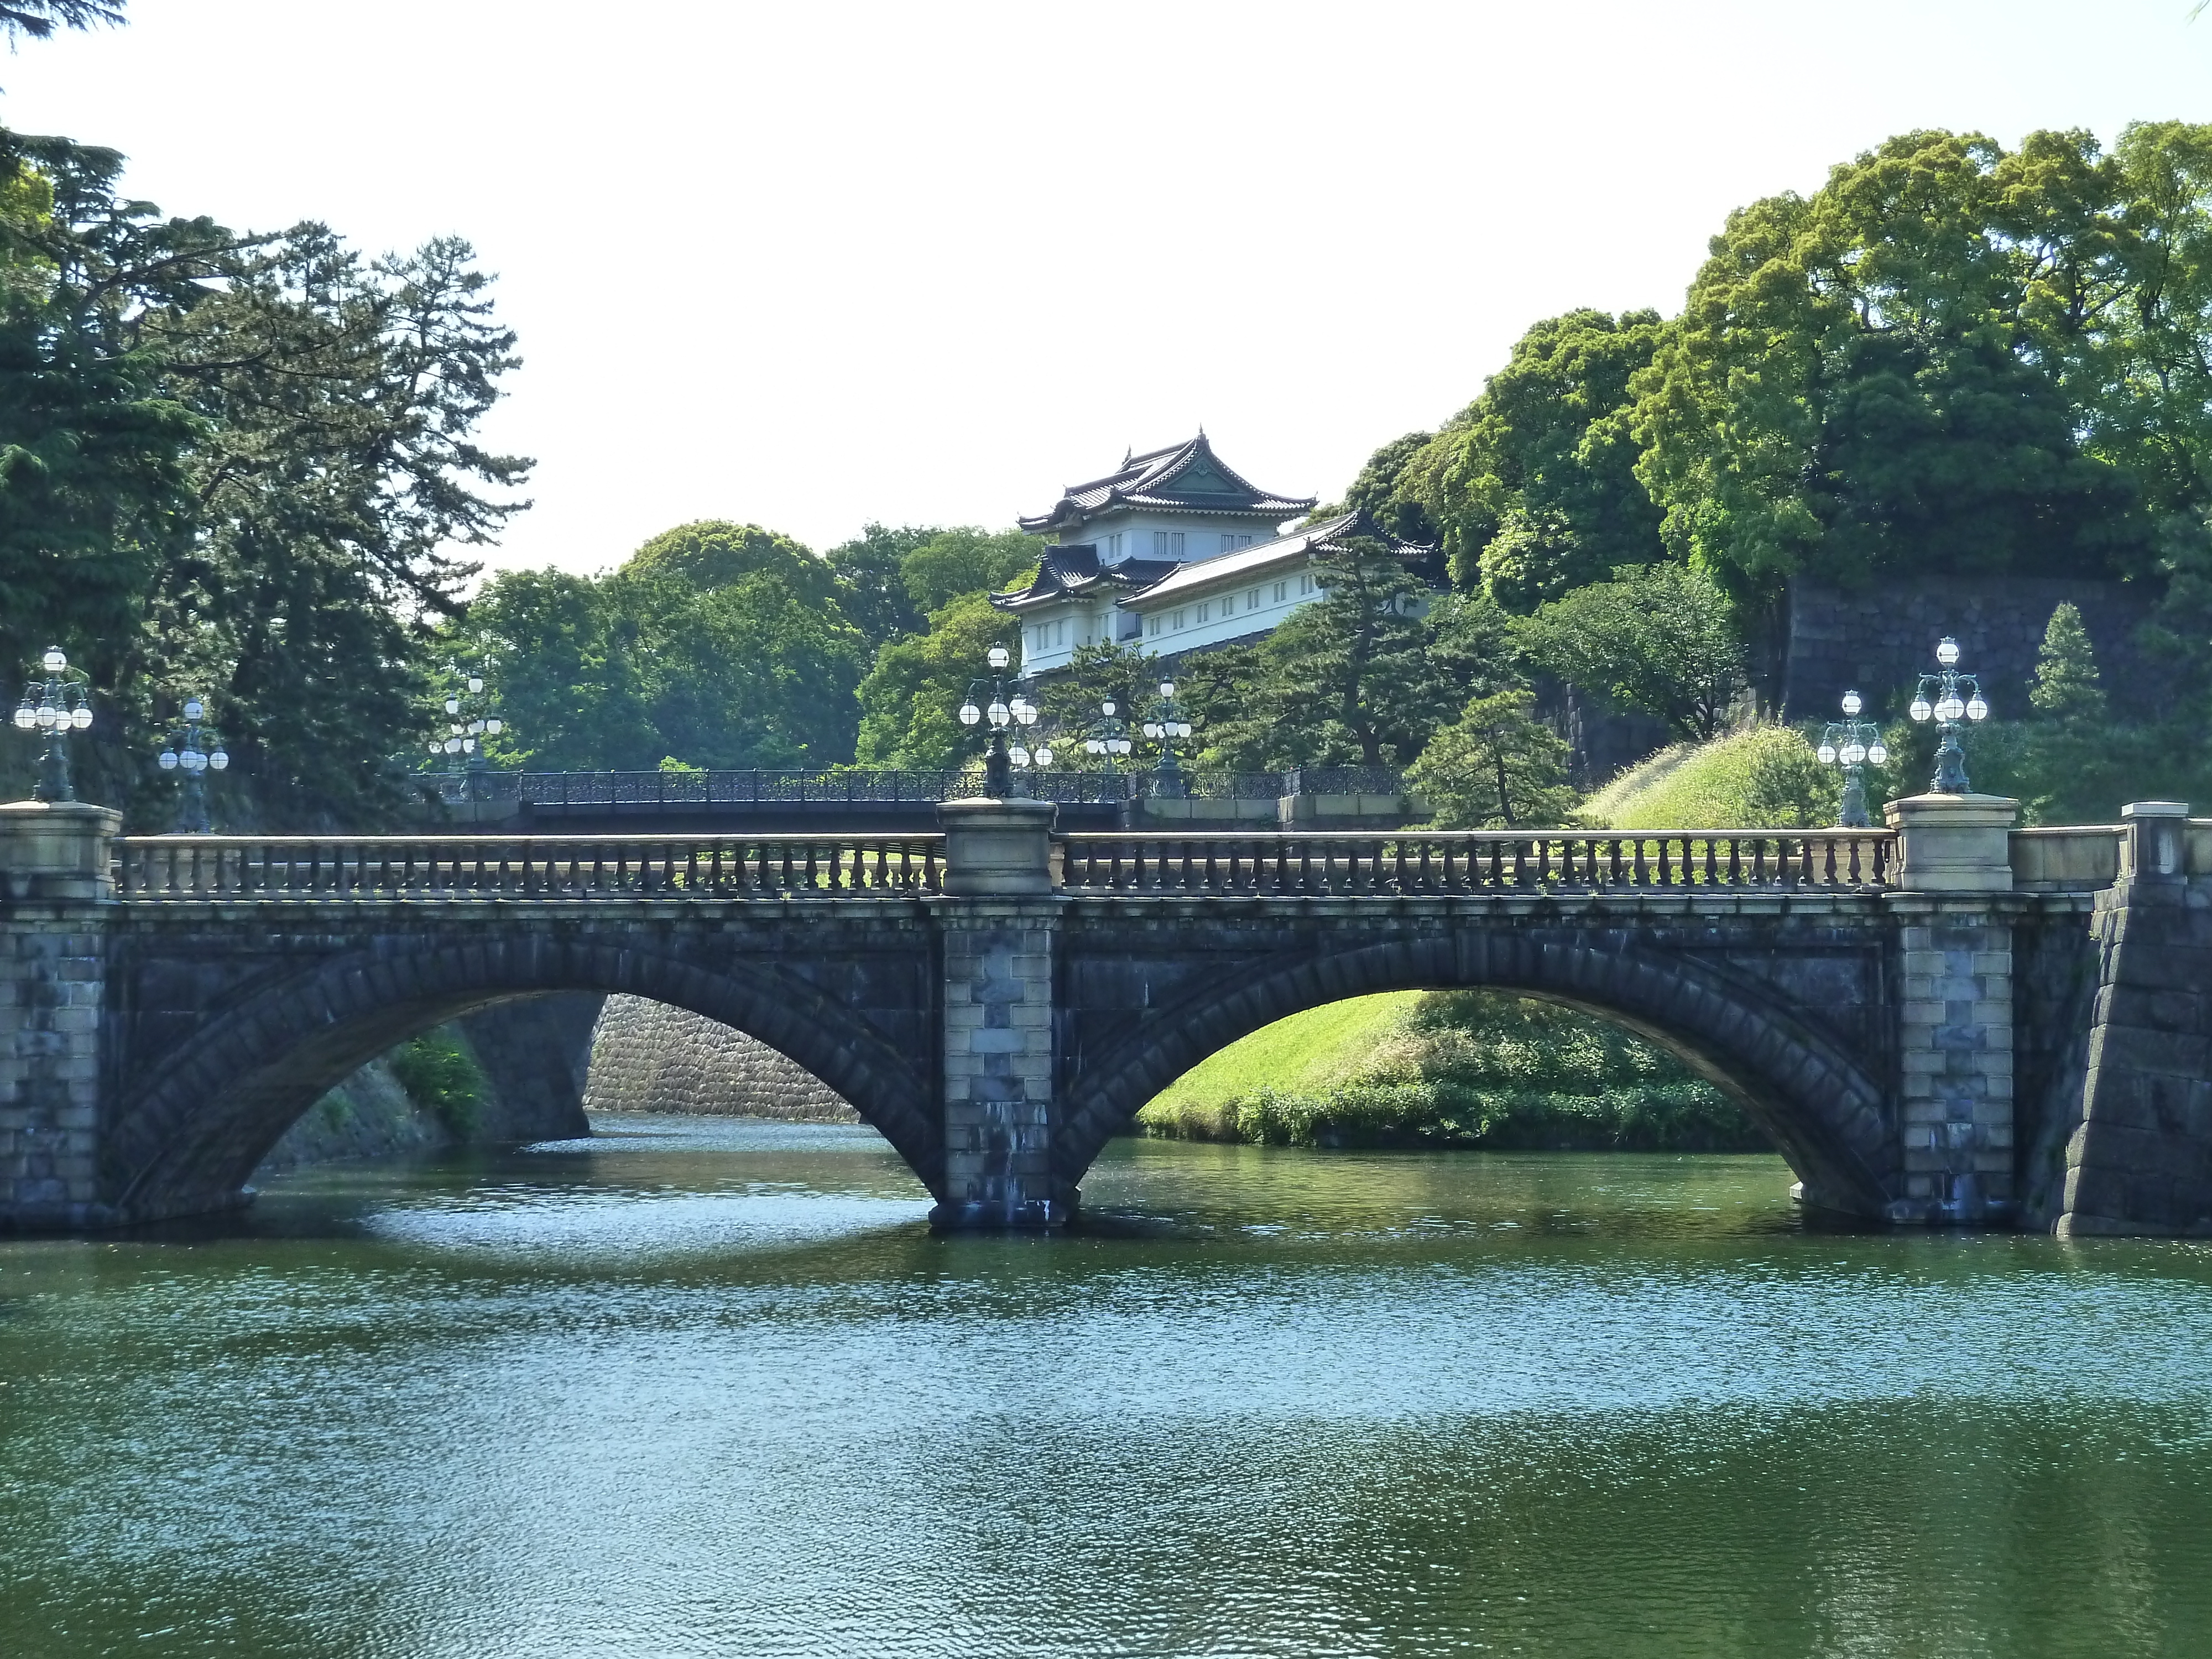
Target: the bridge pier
pixel 1954 1007
pixel 998 919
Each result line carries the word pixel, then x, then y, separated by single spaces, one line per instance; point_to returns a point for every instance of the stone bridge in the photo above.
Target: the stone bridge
pixel 1949 1021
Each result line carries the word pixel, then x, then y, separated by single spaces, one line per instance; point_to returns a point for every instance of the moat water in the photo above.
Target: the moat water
pixel 712 1388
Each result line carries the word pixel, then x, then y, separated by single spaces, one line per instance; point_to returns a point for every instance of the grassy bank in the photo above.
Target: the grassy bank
pixel 1457 1068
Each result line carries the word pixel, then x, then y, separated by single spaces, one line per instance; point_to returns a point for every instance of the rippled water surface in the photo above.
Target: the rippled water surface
pixel 712 1388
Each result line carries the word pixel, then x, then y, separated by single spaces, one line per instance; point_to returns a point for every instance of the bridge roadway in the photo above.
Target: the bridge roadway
pixel 1947 1021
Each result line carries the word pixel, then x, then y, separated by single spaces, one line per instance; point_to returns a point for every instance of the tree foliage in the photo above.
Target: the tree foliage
pixel 1660 640
pixel 1497 767
pixel 909 698
pixel 717 645
pixel 1532 487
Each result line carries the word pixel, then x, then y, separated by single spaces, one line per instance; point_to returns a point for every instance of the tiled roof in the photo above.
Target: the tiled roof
pixel 1073 570
pixel 1188 477
pixel 1295 548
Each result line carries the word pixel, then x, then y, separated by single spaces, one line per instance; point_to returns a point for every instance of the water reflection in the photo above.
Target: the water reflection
pixel 714 1388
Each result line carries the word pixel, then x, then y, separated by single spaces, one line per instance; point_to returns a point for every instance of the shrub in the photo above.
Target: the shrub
pixel 1763 777
pixel 441 1078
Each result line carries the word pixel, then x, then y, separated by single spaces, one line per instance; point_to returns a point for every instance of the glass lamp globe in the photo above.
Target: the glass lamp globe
pixel 81 716
pixel 452 745
pixel 997 656
pixel 1920 710
pixel 1026 711
pixel 53 662
pixel 1044 756
pixel 166 759
pixel 475 727
pixel 1182 728
pixel 970 714
pixel 46 716
pixel 1950 709
pixel 1120 745
pixel 1827 751
pixel 1151 728
pixel 1000 713
pixel 26 717
pixel 1854 753
pixel 469 744
pixel 476 684
pixel 193 761
pixel 494 726
pixel 1167 688
pixel 194 709
pixel 1019 755
pixel 1852 703
pixel 1948 652
pixel 1093 746
pixel 218 760
pixel 1878 753
pixel 452 705
pixel 1106 709
pixel 1977 709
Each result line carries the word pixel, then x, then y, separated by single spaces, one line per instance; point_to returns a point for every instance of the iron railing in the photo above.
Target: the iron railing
pixel 853 786
pixel 1412 862
pixel 158 867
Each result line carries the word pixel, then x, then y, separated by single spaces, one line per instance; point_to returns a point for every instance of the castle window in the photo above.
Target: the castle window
pixel 1282 592
pixel 1228 605
pixel 1151 624
pixel 1228 543
pixel 1244 541
pixel 1176 543
pixel 1252 600
pixel 1205 611
pixel 1179 619
pixel 1159 544
pixel 1305 583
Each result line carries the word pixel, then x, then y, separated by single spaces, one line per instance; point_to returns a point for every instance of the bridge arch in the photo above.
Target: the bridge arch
pixel 187 1139
pixel 1821 1107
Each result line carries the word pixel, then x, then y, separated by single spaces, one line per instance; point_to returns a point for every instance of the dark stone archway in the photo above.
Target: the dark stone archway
pixel 1824 1109
pixel 187 1137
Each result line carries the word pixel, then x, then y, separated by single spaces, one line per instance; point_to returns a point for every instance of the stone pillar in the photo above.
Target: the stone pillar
pixel 55 884
pixel 999 919
pixel 1955 1007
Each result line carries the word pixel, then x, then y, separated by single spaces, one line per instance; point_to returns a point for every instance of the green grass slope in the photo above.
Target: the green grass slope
pixel 1763 777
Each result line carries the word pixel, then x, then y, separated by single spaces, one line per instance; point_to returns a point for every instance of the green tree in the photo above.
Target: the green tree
pixel 1532 487
pixel 713 645
pixel 871 583
pixel 1095 674
pixel 955 562
pixel 1928 364
pixel 1660 640
pixel 1497 767
pixel 2065 685
pixel 909 698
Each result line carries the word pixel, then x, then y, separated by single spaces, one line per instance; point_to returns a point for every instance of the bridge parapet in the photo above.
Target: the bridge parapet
pixel 158 868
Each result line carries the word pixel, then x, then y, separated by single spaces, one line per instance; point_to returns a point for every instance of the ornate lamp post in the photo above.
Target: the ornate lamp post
pixel 1002 712
pixel 1852 743
pixel 1109 738
pixel 195 750
pixel 468 719
pixel 1167 725
pixel 55 703
pixel 1949 708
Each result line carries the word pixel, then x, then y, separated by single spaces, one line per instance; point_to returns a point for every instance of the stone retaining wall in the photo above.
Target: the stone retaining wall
pixel 649 1057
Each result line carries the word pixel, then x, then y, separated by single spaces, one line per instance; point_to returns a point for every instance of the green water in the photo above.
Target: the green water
pixel 713 1390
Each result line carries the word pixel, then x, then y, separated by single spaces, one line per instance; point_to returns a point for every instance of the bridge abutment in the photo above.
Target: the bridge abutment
pixel 55 880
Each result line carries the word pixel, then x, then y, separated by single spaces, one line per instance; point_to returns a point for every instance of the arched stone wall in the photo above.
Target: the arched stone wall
pixel 1823 1110
pixel 187 1138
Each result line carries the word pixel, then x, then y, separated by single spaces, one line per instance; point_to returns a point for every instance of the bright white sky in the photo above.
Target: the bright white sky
pixel 811 265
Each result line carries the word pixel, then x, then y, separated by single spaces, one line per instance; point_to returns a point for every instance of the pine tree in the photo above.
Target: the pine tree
pixel 1498 767
pixel 2065 685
